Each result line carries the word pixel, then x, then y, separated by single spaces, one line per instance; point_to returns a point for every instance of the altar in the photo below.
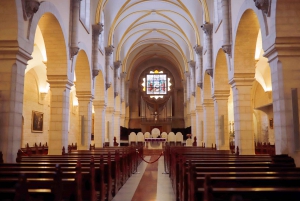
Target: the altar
pixel 154 143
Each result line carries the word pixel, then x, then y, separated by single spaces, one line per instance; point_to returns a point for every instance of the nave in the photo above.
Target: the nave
pixel 149 184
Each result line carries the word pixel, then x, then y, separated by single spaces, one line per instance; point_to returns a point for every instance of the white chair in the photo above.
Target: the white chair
pixel 132 138
pixel 140 138
pixel 155 132
pixel 179 138
pixel 147 135
pixel 164 135
pixel 171 139
pixel 188 142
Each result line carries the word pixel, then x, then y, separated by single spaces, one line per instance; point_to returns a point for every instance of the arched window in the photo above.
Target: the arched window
pixel 85 13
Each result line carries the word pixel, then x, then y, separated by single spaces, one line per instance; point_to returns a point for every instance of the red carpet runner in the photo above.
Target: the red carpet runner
pixel 147 188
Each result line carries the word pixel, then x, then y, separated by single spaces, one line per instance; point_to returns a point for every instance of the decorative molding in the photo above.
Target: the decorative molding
pixel 117 64
pixel 227 49
pixel 209 72
pixel 97 29
pixel 95 72
pixel 207 28
pixel 74 51
pixel 198 49
pixel 116 94
pixel 30 7
pixel 264 5
pixel 192 63
pixel 109 50
pixel 107 85
pixel 200 85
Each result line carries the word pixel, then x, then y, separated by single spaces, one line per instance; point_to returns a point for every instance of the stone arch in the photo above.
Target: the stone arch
pixel 83 73
pixel 221 73
pixel 50 21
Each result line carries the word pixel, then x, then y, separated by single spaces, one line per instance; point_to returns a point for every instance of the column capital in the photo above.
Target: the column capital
pixel 264 5
pixel 198 49
pixel 199 109
pixel 110 110
pixel 117 64
pixel 30 7
pixel 84 95
pixel 97 29
pixel 242 81
pixel 207 28
pixel 109 50
pixel 221 95
pixel 208 103
pixel 192 63
pixel 227 49
pixel 123 74
pixel 99 103
pixel 59 81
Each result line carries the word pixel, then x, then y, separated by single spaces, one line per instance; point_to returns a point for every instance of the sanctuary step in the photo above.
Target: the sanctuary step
pixel 150 152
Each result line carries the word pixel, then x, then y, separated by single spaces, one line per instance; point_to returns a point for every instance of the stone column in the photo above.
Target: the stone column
pixel 193 124
pixel 243 114
pixel 59 113
pixel 74 28
pixel 226 28
pixel 192 65
pixel 207 28
pixel 110 125
pixel 284 62
pixel 187 82
pixel 108 65
pixel 99 119
pixel 117 126
pixel 123 86
pixel 199 66
pixel 199 125
pixel 85 118
pixel 97 29
pixel 117 65
pixel 221 119
pixel 209 122
pixel 13 63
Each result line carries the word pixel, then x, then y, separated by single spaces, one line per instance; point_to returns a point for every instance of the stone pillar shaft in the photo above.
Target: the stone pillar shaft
pixel 59 114
pixel 199 125
pixel 192 65
pixel 123 86
pixel 221 121
pixel 117 126
pixel 99 119
pixel 85 117
pixel 108 65
pixel 209 123
pixel 12 72
pixel 97 29
pixel 207 28
pixel 193 124
pixel 225 21
pixel 199 66
pixel 117 65
pixel 243 115
pixel 110 125
pixel 74 31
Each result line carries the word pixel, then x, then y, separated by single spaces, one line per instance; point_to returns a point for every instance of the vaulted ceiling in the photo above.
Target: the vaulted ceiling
pixel 144 29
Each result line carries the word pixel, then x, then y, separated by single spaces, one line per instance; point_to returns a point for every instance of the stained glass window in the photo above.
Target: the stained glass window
pixel 156 84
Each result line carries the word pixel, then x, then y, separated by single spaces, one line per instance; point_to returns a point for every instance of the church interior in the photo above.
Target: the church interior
pixel 137 86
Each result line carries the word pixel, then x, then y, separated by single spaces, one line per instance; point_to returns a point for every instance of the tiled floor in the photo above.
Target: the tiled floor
pixel 140 187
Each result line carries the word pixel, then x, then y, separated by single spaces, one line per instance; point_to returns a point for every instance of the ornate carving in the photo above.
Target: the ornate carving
pixel 117 64
pixel 95 73
pixel 74 51
pixel 97 29
pixel 107 85
pixel 200 85
pixel 109 50
pixel 227 49
pixel 209 72
pixel 192 63
pixel 116 94
pixel 193 94
pixel 29 8
pixel 263 5
pixel 198 49
pixel 207 28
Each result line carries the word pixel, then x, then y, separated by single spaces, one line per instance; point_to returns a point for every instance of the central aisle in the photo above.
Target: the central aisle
pixel 150 184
